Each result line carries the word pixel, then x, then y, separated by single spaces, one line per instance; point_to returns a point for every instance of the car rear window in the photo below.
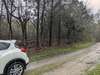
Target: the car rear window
pixel 4 46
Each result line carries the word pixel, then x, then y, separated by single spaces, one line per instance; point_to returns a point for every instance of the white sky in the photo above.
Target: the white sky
pixel 93 4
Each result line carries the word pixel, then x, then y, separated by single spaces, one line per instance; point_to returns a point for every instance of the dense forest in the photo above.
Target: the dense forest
pixel 47 22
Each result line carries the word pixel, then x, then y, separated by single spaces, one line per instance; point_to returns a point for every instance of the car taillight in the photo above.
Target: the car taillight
pixel 24 49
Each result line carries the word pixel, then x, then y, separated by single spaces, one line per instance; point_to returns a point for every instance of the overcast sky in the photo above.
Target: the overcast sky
pixel 94 5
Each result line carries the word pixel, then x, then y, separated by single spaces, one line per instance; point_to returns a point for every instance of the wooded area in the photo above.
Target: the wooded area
pixel 46 22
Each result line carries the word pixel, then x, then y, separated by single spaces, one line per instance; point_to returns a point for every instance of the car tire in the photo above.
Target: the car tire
pixel 15 68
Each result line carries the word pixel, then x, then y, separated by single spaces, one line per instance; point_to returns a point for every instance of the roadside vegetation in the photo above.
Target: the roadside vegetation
pixel 50 52
pixel 95 71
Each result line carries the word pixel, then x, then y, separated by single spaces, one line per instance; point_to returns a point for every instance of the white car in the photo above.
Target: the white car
pixel 13 60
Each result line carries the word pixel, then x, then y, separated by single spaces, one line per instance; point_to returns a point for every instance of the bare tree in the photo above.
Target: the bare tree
pixel 9 18
pixel 20 13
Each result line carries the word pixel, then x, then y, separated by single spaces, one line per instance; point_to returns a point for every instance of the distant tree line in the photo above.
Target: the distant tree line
pixel 45 22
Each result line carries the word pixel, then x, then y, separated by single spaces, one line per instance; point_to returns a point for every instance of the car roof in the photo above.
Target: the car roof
pixel 8 41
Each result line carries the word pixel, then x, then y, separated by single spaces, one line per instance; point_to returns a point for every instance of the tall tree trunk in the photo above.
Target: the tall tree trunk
pixel 42 20
pixel 1 12
pixel 38 22
pixel 59 25
pixel 10 31
pixel 9 19
pixel 59 31
pixel 51 24
pixel 24 31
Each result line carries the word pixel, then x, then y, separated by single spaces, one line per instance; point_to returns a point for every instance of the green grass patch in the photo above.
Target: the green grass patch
pixel 50 52
pixel 95 71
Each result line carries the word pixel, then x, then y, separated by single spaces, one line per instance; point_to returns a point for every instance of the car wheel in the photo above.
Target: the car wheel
pixel 16 68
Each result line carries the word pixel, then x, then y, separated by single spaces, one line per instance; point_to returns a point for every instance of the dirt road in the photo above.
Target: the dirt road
pixel 79 65
pixel 82 60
